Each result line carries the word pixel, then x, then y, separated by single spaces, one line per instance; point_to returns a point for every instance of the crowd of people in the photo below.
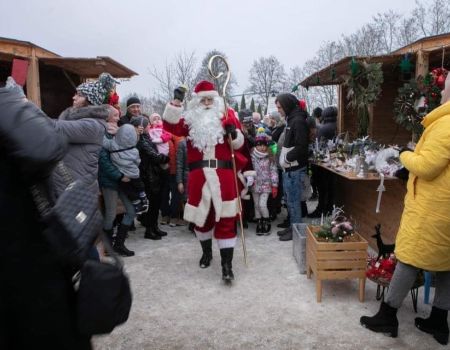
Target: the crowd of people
pixel 191 166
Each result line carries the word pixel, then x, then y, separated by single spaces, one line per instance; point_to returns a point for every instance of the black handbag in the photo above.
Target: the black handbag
pixel 103 295
pixel 74 221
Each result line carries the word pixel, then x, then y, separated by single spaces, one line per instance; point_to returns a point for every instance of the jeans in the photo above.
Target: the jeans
pixel 292 183
pixel 110 198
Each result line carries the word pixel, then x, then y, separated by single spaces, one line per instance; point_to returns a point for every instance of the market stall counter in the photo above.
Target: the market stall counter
pixel 358 196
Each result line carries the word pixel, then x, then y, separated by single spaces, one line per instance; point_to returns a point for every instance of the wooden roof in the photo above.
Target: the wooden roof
pixel 334 73
pixel 86 68
pixel 90 67
pixel 432 44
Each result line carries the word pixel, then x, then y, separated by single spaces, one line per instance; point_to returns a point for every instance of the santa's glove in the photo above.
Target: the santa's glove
pixel 274 192
pixel 163 159
pixel 230 129
pixel 179 93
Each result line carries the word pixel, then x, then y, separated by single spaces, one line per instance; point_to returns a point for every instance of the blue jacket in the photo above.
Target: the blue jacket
pixel 108 174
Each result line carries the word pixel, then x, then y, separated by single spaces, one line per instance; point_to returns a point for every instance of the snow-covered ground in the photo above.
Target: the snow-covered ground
pixel 270 305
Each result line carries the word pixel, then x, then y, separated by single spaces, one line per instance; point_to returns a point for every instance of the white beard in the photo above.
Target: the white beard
pixel 205 126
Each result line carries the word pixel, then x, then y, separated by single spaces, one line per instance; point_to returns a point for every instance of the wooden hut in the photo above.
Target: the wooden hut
pixel 359 196
pixel 425 54
pixel 51 79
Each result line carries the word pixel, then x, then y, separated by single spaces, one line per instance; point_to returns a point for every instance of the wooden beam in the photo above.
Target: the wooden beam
pixel 422 63
pixel 370 128
pixel 341 108
pixel 33 83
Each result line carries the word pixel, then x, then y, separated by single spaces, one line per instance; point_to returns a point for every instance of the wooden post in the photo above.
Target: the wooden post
pixel 341 108
pixel 422 63
pixel 33 83
pixel 370 127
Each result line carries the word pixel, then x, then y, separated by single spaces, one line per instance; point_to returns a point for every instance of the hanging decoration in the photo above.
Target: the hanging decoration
pixel 295 88
pixel 417 98
pixel 406 112
pixel 405 64
pixel 364 88
pixel 333 73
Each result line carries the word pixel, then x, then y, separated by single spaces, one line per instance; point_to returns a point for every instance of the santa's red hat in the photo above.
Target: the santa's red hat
pixel 205 88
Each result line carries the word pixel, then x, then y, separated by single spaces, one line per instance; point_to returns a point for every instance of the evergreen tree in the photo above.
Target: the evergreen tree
pixel 252 105
pixel 259 110
pixel 243 106
pixel 236 107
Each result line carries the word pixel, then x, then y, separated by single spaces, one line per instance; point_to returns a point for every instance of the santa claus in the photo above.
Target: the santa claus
pixel 212 199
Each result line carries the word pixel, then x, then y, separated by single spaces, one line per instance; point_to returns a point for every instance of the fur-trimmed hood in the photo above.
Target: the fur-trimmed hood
pixel 94 112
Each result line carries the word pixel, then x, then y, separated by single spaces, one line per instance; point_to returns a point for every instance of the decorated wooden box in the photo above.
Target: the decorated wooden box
pixel 335 261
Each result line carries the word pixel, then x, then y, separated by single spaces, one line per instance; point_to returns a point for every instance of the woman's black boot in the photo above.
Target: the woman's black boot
pixel 385 321
pixel 436 325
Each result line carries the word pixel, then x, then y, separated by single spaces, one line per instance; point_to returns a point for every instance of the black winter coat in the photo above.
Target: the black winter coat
pixel 36 293
pixel 151 160
pixel 297 133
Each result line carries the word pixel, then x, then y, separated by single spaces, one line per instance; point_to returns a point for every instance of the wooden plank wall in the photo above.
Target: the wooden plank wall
pixel 359 200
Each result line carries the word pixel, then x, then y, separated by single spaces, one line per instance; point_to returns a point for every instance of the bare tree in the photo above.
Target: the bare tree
pixel 180 71
pixel 218 66
pixel 266 76
pixel 407 31
pixel 432 16
pixel 386 24
pixel 166 81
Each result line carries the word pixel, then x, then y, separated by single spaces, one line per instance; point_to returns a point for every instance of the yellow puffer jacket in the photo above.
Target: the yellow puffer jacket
pixel 423 239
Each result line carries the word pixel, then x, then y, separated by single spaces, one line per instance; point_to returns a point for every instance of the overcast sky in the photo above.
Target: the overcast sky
pixel 143 34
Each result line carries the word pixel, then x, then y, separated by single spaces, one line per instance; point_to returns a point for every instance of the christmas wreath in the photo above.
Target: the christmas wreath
pixel 417 98
pixel 364 88
pixel 406 112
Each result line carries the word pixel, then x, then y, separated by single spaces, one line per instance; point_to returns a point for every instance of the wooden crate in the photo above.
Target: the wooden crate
pixel 335 261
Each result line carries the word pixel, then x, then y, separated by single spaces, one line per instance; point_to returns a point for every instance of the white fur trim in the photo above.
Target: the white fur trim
pixel 239 140
pixel 172 114
pixel 230 208
pixel 211 93
pixel 226 243
pixel 198 214
pixel 213 183
pixel 250 173
pixel 204 236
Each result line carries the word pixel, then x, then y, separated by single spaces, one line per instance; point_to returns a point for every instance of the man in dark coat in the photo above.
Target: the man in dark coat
pixel 133 110
pixel 293 156
pixel 37 300
pixel 327 131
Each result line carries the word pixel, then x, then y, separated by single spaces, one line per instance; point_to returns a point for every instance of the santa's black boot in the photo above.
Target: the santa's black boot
pixel 385 321
pixel 206 258
pixel 436 325
pixel 227 257
pixel 259 227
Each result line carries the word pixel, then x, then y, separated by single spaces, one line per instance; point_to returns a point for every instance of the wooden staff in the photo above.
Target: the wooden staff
pixel 233 160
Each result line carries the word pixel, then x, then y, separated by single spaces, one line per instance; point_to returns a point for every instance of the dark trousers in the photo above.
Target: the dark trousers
pixel 170 203
pixel 154 196
pixel 325 182
pixel 132 188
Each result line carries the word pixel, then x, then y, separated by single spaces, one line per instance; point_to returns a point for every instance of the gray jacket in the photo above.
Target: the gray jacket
pixel 123 151
pixel 84 129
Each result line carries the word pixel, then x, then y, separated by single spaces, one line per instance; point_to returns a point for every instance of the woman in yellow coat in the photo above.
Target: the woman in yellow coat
pixel 423 239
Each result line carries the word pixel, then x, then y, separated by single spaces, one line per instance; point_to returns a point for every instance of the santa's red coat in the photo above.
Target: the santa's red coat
pixel 209 186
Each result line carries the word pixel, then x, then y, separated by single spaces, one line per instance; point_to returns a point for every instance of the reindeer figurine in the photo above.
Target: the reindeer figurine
pixel 384 250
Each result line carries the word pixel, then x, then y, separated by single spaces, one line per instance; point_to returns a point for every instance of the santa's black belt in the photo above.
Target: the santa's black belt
pixel 211 163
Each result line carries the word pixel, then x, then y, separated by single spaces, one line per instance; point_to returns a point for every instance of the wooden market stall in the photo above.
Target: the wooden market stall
pixel 50 78
pixel 359 196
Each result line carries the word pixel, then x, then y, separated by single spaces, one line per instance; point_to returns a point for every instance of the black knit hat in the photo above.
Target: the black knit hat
pixel 317 112
pixel 133 100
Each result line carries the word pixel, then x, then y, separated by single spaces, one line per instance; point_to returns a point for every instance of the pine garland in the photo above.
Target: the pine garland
pixel 364 88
